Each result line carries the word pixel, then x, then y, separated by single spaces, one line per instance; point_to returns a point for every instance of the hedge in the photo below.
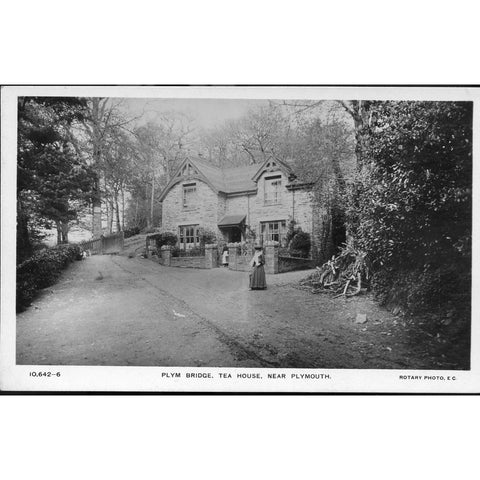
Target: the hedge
pixel 300 244
pixel 130 232
pixel 42 270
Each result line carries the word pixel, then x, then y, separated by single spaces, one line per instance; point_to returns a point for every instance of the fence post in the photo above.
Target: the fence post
pixel 102 244
pixel 211 255
pixel 166 255
pixel 271 257
pixel 147 245
pixel 122 239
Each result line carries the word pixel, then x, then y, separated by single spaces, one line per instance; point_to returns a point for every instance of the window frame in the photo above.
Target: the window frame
pixel 272 190
pixel 192 189
pixel 191 232
pixel 268 232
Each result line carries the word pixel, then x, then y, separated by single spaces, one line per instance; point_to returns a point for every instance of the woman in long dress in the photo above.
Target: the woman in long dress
pixel 257 277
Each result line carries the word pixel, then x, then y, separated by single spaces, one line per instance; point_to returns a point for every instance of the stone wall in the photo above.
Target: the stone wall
pixel 206 212
pixel 188 262
pixel 238 204
pixel 240 262
pixel 209 260
pixel 288 264
pixel 295 204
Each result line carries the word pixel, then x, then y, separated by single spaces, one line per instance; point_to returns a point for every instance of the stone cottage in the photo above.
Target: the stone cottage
pixel 262 198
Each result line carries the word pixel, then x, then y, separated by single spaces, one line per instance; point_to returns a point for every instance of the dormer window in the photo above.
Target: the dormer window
pixel 189 195
pixel 273 192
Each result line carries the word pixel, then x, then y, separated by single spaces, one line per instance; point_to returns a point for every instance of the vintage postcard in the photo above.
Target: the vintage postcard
pixel 239 239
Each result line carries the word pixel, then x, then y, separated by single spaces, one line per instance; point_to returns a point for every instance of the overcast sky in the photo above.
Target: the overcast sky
pixel 204 112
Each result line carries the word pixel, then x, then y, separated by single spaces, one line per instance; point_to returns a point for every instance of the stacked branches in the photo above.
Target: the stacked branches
pixel 346 274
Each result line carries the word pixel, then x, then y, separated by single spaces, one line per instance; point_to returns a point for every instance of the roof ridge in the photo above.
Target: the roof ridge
pixel 255 165
pixel 203 161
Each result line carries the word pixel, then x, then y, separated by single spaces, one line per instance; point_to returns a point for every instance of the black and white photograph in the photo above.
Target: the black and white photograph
pixel 227 237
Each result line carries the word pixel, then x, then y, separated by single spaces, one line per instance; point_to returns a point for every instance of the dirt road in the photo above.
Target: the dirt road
pixel 114 310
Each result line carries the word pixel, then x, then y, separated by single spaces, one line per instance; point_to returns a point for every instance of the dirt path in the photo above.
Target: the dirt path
pixel 113 310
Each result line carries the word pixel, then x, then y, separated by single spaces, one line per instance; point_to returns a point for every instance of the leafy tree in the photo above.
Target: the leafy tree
pixel 411 205
pixel 53 182
pixel 264 131
pixel 325 157
pixel 117 167
pixel 104 122
pixel 160 148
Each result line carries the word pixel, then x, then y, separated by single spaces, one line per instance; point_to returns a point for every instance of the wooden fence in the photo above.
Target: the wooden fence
pixel 104 245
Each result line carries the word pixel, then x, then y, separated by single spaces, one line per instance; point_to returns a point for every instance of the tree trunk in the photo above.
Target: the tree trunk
pixel 152 198
pixel 65 229
pixel 96 142
pixel 110 225
pixel 147 216
pixel 117 212
pixel 24 246
pixel 59 233
pixel 96 211
pixel 107 210
pixel 123 209
pixel 337 171
pixel 359 111
pixel 136 211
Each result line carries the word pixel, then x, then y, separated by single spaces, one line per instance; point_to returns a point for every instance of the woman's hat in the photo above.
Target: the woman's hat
pixel 258 247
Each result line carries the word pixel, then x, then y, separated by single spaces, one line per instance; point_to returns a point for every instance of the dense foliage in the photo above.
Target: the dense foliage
pixel 54 183
pixel 165 238
pixel 207 236
pixel 410 206
pixel 130 232
pixel 42 270
pixel 300 244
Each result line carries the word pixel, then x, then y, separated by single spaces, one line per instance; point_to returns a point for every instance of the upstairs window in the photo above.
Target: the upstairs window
pixel 189 195
pixel 273 192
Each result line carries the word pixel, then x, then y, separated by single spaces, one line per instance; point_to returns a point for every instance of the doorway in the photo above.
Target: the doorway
pixel 234 235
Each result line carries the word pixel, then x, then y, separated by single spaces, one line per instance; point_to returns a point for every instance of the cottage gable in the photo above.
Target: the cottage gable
pixel 187 170
pixel 190 171
pixel 262 197
pixel 273 165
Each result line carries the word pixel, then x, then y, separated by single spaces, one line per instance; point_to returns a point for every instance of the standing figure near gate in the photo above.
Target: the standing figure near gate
pixel 225 256
pixel 257 276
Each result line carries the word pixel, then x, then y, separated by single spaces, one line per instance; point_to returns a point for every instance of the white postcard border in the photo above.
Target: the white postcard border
pixel 143 379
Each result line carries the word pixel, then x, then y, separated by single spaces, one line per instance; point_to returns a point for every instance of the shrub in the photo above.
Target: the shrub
pixel 411 206
pixel 165 238
pixel 195 252
pixel 130 232
pixel 42 270
pixel 207 237
pixel 291 231
pixel 300 244
pixel 250 234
